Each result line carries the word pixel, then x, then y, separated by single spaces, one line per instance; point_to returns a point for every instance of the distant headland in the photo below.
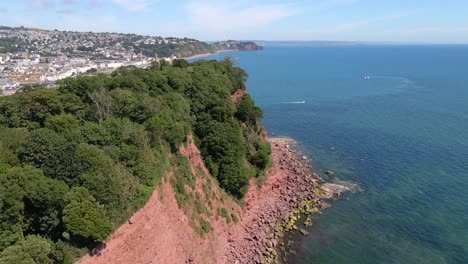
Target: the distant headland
pixel 31 56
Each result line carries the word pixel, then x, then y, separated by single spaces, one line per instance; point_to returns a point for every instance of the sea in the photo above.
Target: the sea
pixel 392 119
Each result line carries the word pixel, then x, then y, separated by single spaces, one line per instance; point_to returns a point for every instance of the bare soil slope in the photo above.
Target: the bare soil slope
pixel 160 232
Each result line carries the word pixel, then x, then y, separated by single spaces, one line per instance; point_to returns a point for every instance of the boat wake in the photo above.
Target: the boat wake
pixel 295 102
pixel 401 82
pixel 404 79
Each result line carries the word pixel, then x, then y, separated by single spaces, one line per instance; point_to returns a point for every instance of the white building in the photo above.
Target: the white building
pixel 113 65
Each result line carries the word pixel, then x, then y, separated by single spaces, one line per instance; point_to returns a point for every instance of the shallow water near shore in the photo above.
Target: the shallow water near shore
pixel 402 135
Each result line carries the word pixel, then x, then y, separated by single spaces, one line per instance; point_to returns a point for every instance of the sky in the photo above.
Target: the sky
pixel 421 21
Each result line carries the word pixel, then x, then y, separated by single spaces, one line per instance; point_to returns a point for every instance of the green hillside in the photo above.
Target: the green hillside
pixel 77 161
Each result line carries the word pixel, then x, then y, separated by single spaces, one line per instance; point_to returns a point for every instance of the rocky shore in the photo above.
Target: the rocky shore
pixel 160 231
pixel 290 186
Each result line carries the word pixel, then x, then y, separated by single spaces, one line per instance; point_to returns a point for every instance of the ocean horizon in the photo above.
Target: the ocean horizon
pixel 391 118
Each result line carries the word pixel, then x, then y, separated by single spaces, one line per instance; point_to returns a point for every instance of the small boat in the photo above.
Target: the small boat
pixel 367 77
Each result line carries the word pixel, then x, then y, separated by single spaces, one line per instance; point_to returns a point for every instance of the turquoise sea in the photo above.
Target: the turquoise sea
pixel 402 135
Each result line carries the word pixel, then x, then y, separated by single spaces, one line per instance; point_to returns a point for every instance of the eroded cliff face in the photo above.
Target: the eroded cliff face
pixel 190 219
pixel 247 46
pixel 238 94
pixel 165 232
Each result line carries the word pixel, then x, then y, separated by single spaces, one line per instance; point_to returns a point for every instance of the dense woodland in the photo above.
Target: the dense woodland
pixel 77 161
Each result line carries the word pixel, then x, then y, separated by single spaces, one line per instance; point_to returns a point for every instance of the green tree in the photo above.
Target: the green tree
pixel 66 125
pixel 110 138
pixel 261 158
pixel 32 250
pixel 223 150
pixel 102 100
pixel 247 111
pixel 163 64
pixel 84 217
pixel 43 200
pixel 11 212
pixel 98 175
pixel 51 152
pixel 180 63
pixel 11 140
pixel 155 66
pixel 96 134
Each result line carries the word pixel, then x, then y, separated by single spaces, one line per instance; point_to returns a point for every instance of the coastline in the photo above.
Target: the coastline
pixel 198 56
pixel 290 185
pixel 160 231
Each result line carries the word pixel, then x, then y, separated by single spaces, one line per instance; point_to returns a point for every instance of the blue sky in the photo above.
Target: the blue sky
pixel 430 21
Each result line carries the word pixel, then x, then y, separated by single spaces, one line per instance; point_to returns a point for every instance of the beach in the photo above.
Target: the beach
pixel 198 56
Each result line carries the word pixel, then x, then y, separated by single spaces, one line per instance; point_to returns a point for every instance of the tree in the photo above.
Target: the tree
pixel 11 210
pixel 96 134
pixel 66 125
pixel 107 138
pixel 163 64
pixel 103 103
pixel 81 87
pixel 129 104
pixel 32 250
pixel 155 65
pixel 247 111
pixel 43 200
pixel 237 75
pixel 10 109
pixel 84 217
pixel 98 175
pixel 180 63
pixel 38 104
pixel 262 157
pixel 223 150
pixel 10 144
pixel 51 152
pixel 179 79
pixel 163 126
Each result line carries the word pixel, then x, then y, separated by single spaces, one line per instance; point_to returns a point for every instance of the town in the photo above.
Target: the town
pixel 31 56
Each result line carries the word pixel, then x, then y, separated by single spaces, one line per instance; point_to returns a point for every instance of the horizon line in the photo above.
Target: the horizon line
pixel 351 42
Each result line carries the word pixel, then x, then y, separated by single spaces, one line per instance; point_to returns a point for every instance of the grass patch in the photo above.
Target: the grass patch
pixel 200 208
pixel 234 218
pixel 207 191
pixel 182 170
pixel 182 177
pixel 223 212
pixel 200 225
pixel 200 172
pixel 205 226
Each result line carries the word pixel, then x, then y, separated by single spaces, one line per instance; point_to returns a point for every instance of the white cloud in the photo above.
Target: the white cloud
pixel 70 2
pixel 65 11
pixel 41 4
pixel 326 5
pixel 92 4
pixel 133 5
pixel 210 17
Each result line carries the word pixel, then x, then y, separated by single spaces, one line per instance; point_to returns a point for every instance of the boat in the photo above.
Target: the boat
pixel 367 77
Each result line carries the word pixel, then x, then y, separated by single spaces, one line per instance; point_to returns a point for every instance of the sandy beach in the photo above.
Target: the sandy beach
pixel 204 55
